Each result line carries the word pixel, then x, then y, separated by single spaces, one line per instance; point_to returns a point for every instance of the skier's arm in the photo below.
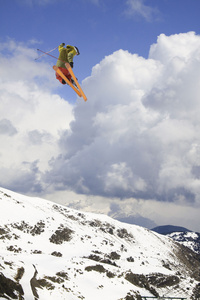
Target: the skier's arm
pixel 71 53
pixel 60 47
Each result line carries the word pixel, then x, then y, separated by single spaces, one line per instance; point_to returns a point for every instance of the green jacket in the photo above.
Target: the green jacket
pixel 66 55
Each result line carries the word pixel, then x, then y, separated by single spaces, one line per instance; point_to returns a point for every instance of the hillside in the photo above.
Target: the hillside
pixel 49 252
pixel 188 239
pixel 182 235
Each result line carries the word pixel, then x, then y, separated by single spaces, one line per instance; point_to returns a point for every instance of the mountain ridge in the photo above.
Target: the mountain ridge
pixel 167 229
pixel 181 235
pixel 49 251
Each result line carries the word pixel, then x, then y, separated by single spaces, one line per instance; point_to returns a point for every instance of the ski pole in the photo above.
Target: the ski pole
pixel 51 55
pixel 45 52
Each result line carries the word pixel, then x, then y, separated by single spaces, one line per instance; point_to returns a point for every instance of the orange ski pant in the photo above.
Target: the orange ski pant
pixel 65 72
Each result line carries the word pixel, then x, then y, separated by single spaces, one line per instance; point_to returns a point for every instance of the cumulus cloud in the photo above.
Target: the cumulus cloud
pixel 138 134
pixel 32 117
pixel 145 213
pixel 7 128
pixel 134 146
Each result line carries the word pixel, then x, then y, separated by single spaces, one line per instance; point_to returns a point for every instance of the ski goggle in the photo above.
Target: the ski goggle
pixel 77 51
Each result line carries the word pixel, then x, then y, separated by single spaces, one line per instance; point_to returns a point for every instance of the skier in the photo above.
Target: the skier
pixel 66 55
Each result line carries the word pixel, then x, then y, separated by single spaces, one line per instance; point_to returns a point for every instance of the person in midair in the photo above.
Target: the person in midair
pixel 66 55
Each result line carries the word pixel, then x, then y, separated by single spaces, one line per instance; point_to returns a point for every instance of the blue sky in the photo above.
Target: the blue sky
pixel 98 27
pixel 133 149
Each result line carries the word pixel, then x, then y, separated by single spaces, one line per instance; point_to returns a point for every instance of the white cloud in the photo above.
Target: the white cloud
pixel 7 128
pixel 148 213
pixel 138 134
pixel 138 8
pixel 135 139
pixel 182 46
pixel 121 177
pixel 32 117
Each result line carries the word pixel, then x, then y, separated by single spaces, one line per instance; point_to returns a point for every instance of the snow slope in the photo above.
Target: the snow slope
pixel 182 235
pixel 188 239
pixel 49 252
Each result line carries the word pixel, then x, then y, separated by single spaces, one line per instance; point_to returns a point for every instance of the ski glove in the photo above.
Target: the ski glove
pixel 71 64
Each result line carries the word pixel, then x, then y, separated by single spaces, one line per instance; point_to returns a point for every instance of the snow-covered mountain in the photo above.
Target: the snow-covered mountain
pixel 182 235
pixel 49 252
pixel 167 229
pixel 188 239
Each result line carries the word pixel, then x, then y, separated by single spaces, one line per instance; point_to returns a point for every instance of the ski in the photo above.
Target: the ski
pixel 76 81
pixel 67 80
pixel 76 86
